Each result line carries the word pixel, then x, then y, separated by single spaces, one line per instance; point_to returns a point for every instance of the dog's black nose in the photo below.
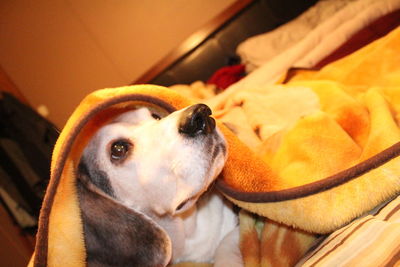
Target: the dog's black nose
pixel 196 120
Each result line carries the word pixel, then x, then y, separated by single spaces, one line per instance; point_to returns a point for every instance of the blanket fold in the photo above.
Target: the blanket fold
pixel 339 159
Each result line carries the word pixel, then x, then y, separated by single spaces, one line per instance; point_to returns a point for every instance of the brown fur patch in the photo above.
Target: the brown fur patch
pixel 118 236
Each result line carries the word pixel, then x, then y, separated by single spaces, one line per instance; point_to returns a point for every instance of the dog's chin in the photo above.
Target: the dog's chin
pixel 216 168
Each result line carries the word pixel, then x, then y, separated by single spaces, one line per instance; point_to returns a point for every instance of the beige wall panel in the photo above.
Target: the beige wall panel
pixel 56 52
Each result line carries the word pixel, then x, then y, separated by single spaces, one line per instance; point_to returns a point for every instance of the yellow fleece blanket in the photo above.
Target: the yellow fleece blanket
pixel 329 137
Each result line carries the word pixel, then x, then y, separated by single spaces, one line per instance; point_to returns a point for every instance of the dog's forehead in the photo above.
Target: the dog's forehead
pixel 134 116
pixel 136 113
pixel 122 125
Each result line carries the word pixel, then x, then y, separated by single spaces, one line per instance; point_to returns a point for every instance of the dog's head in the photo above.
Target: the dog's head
pixel 156 165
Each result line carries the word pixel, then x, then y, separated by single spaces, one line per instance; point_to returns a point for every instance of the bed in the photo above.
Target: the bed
pixel 295 93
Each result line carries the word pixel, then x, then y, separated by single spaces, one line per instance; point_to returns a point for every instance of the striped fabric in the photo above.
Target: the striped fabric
pixel 373 240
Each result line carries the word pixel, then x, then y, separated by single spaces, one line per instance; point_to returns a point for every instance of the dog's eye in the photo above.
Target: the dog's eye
pixel 156 116
pixel 119 150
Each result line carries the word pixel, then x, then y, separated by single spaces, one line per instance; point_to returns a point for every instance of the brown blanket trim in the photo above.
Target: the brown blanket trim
pixel 315 187
pixel 41 247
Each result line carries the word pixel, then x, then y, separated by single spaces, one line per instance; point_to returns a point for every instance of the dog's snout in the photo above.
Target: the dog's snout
pixel 196 120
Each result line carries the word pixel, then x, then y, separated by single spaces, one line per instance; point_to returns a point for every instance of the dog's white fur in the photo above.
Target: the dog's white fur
pixel 165 169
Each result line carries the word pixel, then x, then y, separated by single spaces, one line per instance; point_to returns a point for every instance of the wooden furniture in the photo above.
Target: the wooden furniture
pixel 16 247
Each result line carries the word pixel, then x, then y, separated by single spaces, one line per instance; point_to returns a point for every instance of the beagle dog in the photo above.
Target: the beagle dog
pixel 163 168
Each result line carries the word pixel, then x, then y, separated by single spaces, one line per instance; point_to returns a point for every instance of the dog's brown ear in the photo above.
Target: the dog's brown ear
pixel 118 236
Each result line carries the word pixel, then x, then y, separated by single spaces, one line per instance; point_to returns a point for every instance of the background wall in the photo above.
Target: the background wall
pixel 57 51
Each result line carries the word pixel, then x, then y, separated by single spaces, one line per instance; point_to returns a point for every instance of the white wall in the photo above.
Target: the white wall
pixel 57 51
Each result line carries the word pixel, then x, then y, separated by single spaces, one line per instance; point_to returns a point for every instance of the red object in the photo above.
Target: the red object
pixel 226 76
